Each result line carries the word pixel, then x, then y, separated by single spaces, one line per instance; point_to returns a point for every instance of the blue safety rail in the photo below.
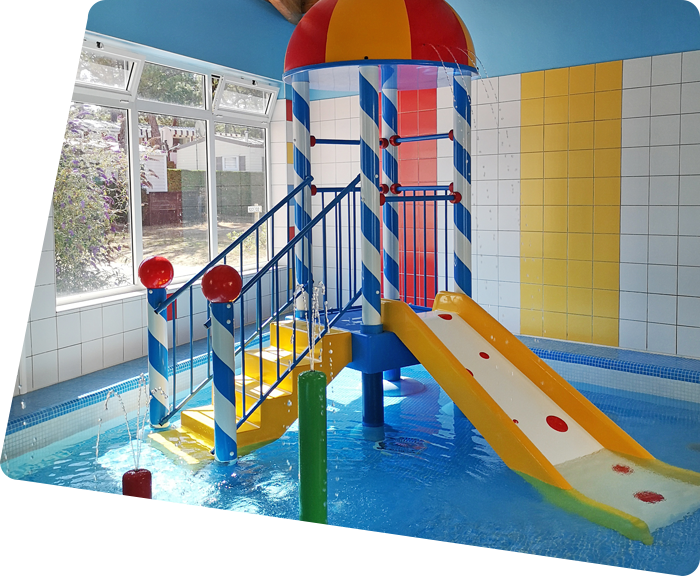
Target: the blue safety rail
pixel 271 272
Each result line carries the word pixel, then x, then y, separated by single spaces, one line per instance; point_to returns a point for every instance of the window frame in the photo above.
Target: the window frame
pixel 128 100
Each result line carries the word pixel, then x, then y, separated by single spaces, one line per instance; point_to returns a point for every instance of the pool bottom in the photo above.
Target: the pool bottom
pixel 432 476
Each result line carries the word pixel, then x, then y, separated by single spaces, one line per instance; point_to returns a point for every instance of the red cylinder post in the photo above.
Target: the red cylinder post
pixel 136 498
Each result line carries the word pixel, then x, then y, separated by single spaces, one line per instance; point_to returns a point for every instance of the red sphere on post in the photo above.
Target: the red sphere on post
pixel 136 498
pixel 221 284
pixel 156 272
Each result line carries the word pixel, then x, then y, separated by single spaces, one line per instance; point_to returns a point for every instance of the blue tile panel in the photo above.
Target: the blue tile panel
pixel 659 365
pixel 89 399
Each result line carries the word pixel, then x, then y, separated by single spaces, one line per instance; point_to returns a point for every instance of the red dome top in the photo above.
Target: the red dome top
pixel 393 30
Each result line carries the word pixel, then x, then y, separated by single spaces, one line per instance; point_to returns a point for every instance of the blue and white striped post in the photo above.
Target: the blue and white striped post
pixel 301 126
pixel 224 364
pixel 372 384
pixel 462 184
pixel 390 171
pixel 157 355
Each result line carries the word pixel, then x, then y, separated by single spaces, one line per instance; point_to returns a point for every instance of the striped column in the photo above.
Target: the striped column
pixel 370 218
pixel 225 445
pixel 462 184
pixel 157 356
pixel 390 169
pixel 301 126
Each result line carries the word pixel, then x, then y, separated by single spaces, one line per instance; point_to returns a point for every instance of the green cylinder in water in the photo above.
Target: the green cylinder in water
pixel 313 455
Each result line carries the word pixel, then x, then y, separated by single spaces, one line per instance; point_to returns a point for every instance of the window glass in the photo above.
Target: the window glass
pixel 244 98
pixel 240 188
pixel 91 202
pixel 103 70
pixel 171 86
pixel 174 209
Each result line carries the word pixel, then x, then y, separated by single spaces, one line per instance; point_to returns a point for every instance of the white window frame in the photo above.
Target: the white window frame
pixel 128 100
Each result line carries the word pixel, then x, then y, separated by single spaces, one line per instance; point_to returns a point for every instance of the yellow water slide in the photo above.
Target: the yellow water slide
pixel 540 425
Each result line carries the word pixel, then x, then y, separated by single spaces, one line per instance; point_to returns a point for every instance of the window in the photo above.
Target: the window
pixel 153 141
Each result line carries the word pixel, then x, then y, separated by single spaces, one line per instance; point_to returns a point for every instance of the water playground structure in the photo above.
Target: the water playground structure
pixel 347 246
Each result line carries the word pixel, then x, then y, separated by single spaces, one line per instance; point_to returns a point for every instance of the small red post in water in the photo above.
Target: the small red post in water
pixel 136 497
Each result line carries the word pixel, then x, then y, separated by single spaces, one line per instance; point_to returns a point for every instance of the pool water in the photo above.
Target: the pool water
pixel 432 476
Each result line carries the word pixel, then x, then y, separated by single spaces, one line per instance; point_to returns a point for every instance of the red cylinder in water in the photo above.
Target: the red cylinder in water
pixel 136 494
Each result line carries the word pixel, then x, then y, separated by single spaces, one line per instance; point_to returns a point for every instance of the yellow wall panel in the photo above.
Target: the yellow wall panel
pixel 554 298
pixel 606 219
pixel 607 163
pixel 556 82
pixel 555 164
pixel 532 138
pixel 532 165
pixel 532 112
pixel 582 79
pixel 556 110
pixel 555 192
pixel 531 218
pixel 581 164
pixel 555 218
pixel 554 245
pixel 581 219
pixel 554 325
pixel 531 244
pixel 606 303
pixel 532 85
pixel 580 191
pixel 556 137
pixel 531 270
pixel 581 135
pixel 531 192
pixel 608 76
pixel 606 331
pixel 582 107
pixel 607 191
pixel 579 301
pixel 606 275
pixel 579 328
pixel 531 322
pixel 608 105
pixel 580 274
pixel 606 247
pixel 608 134
pixel 580 246
pixel 553 272
pixel 531 297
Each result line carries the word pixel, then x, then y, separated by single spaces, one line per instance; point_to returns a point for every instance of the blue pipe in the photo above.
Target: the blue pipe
pixel 336 141
pixel 423 188
pixel 399 140
pixel 389 199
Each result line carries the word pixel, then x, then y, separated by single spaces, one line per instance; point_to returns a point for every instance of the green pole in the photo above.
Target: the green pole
pixel 313 455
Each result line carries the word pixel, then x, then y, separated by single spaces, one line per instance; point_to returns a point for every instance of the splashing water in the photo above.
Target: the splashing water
pixel 314 325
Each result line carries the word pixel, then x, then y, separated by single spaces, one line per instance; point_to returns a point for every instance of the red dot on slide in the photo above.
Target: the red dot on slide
pixel 445 316
pixel 649 497
pixel 556 423
pixel 484 355
pixel 470 372
pixel 515 421
pixel 622 469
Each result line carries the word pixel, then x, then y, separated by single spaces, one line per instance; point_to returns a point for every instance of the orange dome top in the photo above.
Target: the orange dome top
pixel 395 31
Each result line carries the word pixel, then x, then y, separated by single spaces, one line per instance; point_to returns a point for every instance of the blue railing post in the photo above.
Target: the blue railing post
pixel 462 185
pixel 301 125
pixel 372 384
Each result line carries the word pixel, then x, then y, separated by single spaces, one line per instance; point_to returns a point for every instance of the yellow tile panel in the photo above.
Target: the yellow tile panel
pixel 531 270
pixel 556 110
pixel 607 163
pixel 554 298
pixel 290 153
pixel 605 331
pixel 554 245
pixel 606 303
pixel 532 165
pixel 531 296
pixel 580 191
pixel 606 247
pixel 531 192
pixel 531 218
pixel 553 272
pixel 608 105
pixel 580 246
pixel 579 328
pixel 581 219
pixel 555 191
pixel 581 164
pixel 606 219
pixel 608 76
pixel 579 301
pixel 606 275
pixel 580 274
pixel 606 191
pixel 555 218
pixel 556 137
pixel 532 112
pixel 532 138
pixel 582 107
pixel 531 244
pixel 556 82
pixel 581 135
pixel 532 85
pixel 554 325
pixel 555 164
pixel 582 79
pixel 608 134
pixel 531 322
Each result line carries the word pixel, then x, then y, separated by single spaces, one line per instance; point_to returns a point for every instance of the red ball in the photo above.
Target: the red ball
pixel 221 284
pixel 156 272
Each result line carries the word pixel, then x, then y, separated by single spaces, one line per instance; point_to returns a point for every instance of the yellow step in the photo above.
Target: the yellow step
pixel 271 356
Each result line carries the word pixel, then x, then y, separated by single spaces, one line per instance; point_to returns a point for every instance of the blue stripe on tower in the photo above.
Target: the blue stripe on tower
pixel 301 125
pixel 390 170
pixel 371 228
pixel 224 367
pixel 462 184
pixel 157 356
